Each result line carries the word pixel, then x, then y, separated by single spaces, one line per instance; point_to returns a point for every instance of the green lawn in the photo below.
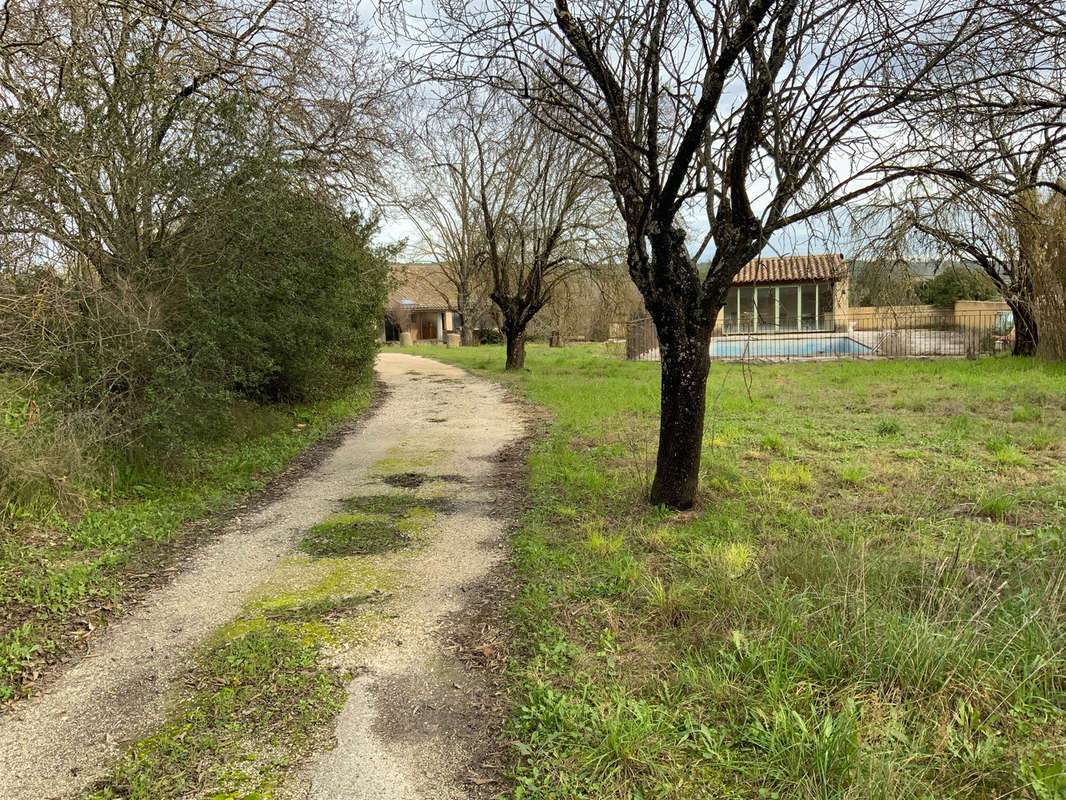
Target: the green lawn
pixel 74 527
pixel 868 601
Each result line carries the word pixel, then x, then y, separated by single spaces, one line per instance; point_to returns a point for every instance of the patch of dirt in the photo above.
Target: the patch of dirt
pixel 406 480
pixel 479 638
pixel 396 505
pixel 451 478
pixel 414 480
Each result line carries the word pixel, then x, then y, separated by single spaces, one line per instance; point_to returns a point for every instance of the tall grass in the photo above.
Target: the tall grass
pixel 45 464
pixel 74 516
pixel 867 602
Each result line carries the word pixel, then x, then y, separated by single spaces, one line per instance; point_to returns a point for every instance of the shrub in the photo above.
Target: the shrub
pixel 956 284
pixel 279 299
pixel 290 308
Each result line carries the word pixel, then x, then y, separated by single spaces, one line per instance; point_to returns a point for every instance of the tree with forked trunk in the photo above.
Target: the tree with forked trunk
pixel 762 114
pixel 540 213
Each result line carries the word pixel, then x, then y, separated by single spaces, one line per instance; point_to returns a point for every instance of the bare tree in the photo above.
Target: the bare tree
pixel 999 157
pixel 764 113
pixel 113 115
pixel 587 306
pixel 443 205
pixel 542 217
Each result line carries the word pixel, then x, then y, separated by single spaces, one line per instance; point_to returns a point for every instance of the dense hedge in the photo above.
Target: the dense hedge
pixel 277 299
pixel 953 285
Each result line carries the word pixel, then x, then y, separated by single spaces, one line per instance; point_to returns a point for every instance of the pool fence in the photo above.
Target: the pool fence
pixel 908 332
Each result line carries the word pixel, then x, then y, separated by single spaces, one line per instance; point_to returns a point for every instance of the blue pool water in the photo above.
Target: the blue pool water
pixel 799 346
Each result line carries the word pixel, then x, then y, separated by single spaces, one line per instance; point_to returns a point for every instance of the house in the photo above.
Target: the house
pixel 421 304
pixel 788 293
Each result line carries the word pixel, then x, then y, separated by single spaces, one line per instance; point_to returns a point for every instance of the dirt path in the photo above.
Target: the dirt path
pixel 398 733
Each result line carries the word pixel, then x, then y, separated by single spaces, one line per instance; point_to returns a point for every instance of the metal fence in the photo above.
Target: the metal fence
pixel 888 334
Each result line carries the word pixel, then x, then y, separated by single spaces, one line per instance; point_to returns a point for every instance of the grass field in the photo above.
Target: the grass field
pixel 79 530
pixel 867 602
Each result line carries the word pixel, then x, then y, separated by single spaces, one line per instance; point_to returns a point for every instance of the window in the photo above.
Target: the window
pixel 746 304
pixel 825 306
pixel 730 323
pixel 809 307
pixel 765 309
pixel 788 308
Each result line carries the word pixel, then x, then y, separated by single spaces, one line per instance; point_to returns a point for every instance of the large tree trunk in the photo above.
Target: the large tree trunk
pixel 684 323
pixel 1025 330
pixel 466 334
pixel 516 347
pixel 685 362
pixel 466 321
pixel 466 326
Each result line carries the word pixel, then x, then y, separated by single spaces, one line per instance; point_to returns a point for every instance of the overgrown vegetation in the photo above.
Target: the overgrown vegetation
pixel 281 304
pixel 177 230
pixel 373 524
pixel 186 300
pixel 73 536
pixel 262 691
pixel 867 600
pixel 954 284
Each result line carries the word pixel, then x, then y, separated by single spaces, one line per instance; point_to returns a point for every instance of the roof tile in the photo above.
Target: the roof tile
pixel 782 269
pixel 422 287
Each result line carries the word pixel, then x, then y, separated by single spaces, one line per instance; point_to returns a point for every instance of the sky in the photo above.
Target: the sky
pixel 817 236
pixel 798 240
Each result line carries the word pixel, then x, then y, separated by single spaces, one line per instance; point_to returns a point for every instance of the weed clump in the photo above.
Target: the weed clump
pixel 263 686
pixel 996 505
pixel 889 427
pixel 406 480
pixel 353 534
pixel 1026 413
pixel 377 523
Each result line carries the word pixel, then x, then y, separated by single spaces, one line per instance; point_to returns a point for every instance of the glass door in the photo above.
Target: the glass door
pixel 766 309
pixel 788 308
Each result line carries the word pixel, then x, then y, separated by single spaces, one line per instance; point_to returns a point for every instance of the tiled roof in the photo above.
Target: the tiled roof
pixel 788 269
pixel 422 287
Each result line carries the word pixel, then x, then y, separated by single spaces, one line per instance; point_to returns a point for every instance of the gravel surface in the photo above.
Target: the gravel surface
pixel 405 731
pixel 397 736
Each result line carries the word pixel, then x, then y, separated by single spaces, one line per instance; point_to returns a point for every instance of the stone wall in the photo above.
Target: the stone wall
pixel 965 313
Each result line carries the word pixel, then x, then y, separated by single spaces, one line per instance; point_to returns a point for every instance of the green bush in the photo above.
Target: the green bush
pixel 276 300
pixel 955 284
pixel 290 307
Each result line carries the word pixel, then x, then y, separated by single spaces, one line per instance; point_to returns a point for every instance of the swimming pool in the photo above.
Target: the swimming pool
pixel 810 345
